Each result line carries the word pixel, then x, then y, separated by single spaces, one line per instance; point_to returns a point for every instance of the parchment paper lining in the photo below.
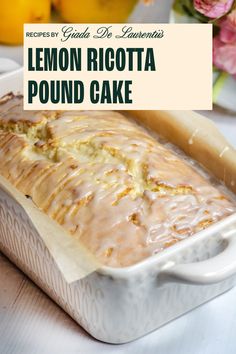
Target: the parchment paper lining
pixel 196 135
pixel 72 258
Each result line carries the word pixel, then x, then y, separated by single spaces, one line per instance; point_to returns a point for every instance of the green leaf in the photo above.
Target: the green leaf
pixel 219 84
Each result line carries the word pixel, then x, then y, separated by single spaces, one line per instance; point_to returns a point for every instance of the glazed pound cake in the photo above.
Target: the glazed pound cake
pixel 124 193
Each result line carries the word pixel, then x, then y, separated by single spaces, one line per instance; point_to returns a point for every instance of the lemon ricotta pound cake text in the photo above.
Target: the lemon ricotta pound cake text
pixel 106 180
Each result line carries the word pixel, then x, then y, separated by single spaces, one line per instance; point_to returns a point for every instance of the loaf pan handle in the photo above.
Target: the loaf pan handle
pixel 210 271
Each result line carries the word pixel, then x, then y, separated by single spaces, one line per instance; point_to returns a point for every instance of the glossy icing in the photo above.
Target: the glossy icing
pixel 106 180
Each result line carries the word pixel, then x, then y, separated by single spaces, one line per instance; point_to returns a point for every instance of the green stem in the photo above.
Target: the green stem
pixel 218 85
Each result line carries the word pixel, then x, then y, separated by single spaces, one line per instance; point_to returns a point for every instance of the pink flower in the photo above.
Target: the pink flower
pixel 213 8
pixel 228 28
pixel 224 45
pixel 224 56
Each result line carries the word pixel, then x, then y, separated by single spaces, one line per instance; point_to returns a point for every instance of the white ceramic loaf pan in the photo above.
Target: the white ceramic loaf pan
pixel 120 305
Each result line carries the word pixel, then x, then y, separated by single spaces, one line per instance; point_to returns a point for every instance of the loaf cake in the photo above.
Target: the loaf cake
pixel 124 193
